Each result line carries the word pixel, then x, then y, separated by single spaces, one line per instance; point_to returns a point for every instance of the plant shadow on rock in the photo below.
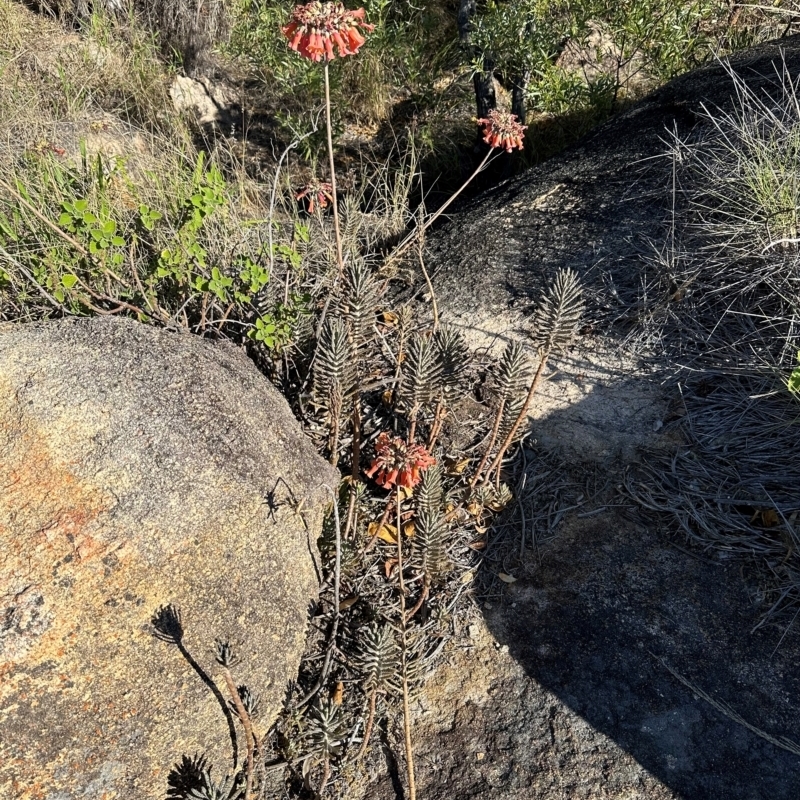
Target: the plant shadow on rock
pixel 168 627
pixel 613 605
pixel 576 691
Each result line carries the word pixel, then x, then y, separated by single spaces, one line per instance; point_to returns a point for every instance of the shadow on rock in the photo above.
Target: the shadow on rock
pixel 582 690
pixel 612 616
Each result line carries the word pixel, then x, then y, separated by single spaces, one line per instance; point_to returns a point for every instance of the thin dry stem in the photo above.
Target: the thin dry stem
pixel 368 725
pixel 498 460
pixel 337 574
pixel 406 243
pixel 421 253
pixel 492 439
pixel 436 427
pixel 423 596
pixel 250 738
pixel 356 466
pixel 334 203
pixel 326 766
pixel 412 786
pixel 42 218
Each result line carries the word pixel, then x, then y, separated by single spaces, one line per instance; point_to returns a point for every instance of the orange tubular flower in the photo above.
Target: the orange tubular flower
pixel 399 463
pixel 317 194
pixel 317 30
pixel 502 129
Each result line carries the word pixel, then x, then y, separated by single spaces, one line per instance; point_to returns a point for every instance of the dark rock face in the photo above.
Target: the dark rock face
pixel 135 464
pixel 602 208
pixel 566 692
pixel 593 208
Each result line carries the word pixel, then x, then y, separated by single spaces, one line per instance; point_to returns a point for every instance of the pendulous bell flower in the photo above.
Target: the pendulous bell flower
pixel 316 193
pixel 399 463
pixel 502 129
pixel 321 31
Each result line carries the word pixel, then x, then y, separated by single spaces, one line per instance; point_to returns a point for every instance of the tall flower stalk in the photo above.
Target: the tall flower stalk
pixel 500 129
pixel 320 32
pixel 399 464
pixel 410 772
pixel 336 229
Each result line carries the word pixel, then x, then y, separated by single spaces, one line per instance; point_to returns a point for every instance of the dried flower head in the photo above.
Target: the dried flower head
pixel 318 194
pixel 316 28
pixel 397 462
pixel 502 129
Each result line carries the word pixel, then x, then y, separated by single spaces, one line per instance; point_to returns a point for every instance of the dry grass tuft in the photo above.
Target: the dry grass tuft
pixel 727 306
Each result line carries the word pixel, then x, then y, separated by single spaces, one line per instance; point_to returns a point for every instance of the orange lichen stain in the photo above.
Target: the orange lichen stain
pixel 49 524
pixel 44 502
pixel 28 792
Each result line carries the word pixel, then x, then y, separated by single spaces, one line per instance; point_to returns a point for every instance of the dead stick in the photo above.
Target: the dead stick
pixel 42 218
pixel 244 718
pixel 412 787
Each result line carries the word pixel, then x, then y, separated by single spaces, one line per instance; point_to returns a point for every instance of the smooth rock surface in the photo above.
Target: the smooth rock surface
pixel 565 691
pixel 134 466
pixel 602 208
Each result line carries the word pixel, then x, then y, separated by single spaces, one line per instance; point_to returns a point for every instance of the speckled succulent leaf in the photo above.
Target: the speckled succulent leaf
pixel 559 312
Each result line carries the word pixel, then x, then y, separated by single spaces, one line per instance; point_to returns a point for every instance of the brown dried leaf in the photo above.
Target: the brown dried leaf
pixel 770 518
pixel 388 532
pixel 389 566
pixel 456 467
pixel 474 509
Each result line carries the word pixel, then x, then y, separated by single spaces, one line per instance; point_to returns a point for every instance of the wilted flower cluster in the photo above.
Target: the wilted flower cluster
pixel 502 129
pixel 317 193
pixel 397 462
pixel 316 28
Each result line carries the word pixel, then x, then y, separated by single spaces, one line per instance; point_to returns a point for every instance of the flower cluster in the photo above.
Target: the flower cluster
pixel 317 193
pixel 399 463
pixel 502 129
pixel 315 28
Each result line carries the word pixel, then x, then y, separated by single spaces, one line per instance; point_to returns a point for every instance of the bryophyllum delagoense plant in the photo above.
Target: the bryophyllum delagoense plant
pixel 316 193
pixel 315 29
pixel 502 129
pixel 399 463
